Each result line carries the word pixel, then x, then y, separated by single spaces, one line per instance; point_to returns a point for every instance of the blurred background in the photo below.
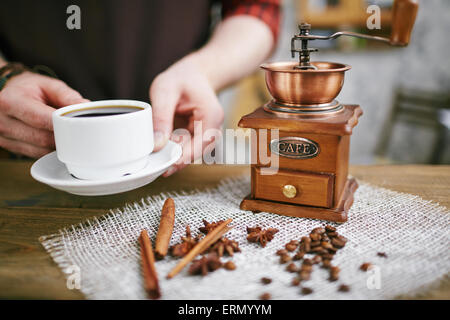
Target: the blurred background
pixel 404 92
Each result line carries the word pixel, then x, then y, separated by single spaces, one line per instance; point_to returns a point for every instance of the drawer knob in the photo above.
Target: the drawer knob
pixel 289 191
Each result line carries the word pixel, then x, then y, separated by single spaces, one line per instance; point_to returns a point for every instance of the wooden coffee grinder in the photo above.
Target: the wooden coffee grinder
pixel 313 136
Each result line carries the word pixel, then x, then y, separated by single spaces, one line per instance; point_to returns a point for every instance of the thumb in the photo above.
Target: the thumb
pixel 59 94
pixel 164 100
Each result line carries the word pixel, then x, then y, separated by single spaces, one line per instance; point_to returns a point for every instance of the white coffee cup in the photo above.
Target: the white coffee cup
pixel 104 146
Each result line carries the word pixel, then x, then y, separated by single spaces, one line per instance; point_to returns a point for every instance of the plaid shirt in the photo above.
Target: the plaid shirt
pixel 266 10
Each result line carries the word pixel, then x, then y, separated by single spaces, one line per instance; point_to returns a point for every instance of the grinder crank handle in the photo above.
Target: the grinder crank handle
pixel 404 14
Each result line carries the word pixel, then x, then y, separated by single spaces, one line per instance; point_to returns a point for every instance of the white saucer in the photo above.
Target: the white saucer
pixel 51 171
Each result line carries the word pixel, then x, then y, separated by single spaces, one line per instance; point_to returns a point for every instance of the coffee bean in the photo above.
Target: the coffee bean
pixel 306 290
pixel 317 259
pixel 365 266
pixel 334 273
pixel 338 243
pixel 291 267
pixel 326 263
pixel 328 256
pixel 294 242
pixel 299 255
pixel 290 247
pixel 305 244
pixel 326 245
pixel 332 234
pixel 333 277
pixel 296 281
pixel 344 288
pixel 319 250
pixel 304 275
pixel 285 258
pixel 315 244
pixel 315 237
pixel 318 230
pixel 281 252
pixel 229 265
pixel 266 280
pixel 308 262
pixel 305 247
pixel 306 268
pixel 265 296
pixel 329 228
pixel 305 240
pixel 332 250
pixel 335 269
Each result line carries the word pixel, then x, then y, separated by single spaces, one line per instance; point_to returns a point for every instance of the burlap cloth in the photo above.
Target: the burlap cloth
pixel 414 233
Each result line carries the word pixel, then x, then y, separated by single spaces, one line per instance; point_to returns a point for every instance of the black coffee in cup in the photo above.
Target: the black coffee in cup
pixel 103 111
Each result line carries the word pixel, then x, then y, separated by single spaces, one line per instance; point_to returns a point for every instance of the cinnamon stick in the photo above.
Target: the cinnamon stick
pixel 165 229
pixel 218 236
pixel 148 266
pixel 203 244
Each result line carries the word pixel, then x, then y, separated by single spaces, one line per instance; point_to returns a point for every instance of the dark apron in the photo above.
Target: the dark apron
pixel 121 47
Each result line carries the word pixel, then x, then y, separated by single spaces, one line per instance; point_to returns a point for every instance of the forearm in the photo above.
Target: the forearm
pixel 239 44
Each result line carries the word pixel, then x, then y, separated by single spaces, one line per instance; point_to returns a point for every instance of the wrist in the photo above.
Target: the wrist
pixel 9 71
pixel 201 62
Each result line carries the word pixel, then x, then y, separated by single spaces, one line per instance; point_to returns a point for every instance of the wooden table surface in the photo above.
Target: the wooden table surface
pixel 29 209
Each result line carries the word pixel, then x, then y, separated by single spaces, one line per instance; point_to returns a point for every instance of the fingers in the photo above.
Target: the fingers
pixel 188 145
pixel 28 109
pixel 203 121
pixel 23 148
pixel 32 112
pixel 208 109
pixel 184 139
pixel 59 94
pixel 33 109
pixel 26 112
pixel 164 99
pixel 17 130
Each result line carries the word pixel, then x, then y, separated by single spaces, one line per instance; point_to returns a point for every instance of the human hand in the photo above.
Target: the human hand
pixel 26 105
pixel 183 93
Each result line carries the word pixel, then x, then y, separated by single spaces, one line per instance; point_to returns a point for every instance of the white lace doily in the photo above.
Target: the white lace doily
pixel 414 233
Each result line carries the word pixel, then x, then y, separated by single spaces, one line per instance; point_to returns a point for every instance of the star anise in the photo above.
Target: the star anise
pixel 257 234
pixel 187 243
pixel 205 264
pixel 225 246
pixel 209 226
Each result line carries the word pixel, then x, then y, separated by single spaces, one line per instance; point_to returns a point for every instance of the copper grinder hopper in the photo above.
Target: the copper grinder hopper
pixel 304 90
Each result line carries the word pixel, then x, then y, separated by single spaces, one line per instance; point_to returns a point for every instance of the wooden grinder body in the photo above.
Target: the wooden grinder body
pixel 316 187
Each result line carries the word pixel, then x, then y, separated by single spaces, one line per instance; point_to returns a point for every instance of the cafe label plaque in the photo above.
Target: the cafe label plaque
pixel 295 147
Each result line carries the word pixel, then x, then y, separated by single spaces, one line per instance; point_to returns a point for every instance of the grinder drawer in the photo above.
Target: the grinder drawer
pixel 314 189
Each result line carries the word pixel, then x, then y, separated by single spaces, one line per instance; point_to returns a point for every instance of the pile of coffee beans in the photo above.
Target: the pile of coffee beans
pixel 318 248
